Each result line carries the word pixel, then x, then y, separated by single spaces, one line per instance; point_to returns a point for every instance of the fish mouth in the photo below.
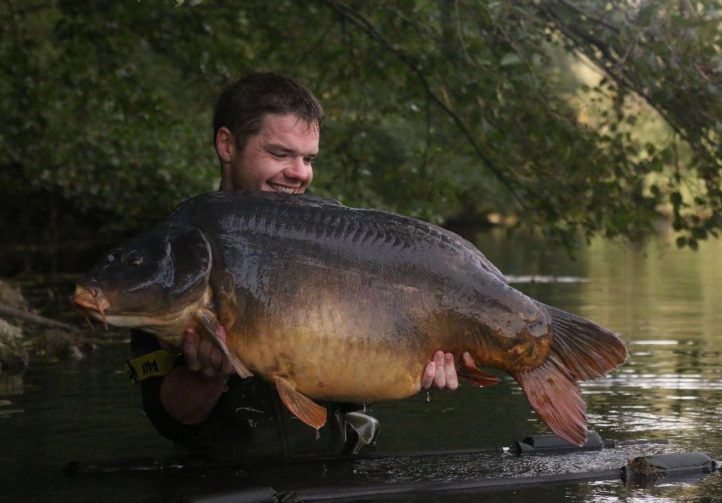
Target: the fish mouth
pixel 90 301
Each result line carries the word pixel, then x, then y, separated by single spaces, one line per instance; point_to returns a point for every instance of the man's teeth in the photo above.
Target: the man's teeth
pixel 287 190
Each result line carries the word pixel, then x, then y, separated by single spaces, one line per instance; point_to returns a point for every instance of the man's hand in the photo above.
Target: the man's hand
pixel 203 355
pixel 441 371
pixel 190 392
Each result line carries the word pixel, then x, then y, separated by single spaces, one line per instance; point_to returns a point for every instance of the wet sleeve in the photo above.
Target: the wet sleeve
pixel 144 343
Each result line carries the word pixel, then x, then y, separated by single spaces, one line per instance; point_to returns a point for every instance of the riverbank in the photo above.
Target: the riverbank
pixel 26 332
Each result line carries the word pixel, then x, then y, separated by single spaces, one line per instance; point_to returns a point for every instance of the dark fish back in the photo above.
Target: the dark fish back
pixel 355 238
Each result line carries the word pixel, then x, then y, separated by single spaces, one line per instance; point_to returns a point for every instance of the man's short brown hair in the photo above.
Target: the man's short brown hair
pixel 242 105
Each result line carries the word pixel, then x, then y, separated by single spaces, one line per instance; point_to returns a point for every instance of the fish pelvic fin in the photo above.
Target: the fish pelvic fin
pixel 583 347
pixel 212 328
pixel 475 375
pixel 299 404
pixel 555 396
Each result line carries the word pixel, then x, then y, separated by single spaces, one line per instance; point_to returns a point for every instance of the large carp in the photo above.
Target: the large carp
pixel 342 304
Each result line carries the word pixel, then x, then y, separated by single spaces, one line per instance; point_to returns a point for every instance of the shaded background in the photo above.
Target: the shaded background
pixel 575 118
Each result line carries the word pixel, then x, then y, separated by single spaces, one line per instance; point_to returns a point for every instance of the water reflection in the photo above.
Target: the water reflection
pixel 538 278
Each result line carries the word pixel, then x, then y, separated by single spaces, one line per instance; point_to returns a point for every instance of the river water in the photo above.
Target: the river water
pixel 665 303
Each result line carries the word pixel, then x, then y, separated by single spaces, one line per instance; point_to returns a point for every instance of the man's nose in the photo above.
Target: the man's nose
pixel 298 170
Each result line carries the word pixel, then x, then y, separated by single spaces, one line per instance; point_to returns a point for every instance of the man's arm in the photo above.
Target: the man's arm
pixel 190 392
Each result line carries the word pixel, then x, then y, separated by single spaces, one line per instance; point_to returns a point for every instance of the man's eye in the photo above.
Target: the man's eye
pixel 279 155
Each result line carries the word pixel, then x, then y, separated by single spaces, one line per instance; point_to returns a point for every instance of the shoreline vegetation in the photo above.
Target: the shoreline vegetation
pixel 26 335
pixel 578 118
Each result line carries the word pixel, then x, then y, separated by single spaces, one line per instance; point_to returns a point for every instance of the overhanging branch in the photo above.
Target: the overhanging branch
pixel 358 20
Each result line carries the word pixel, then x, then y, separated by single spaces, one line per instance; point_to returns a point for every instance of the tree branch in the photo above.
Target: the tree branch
pixel 363 24
pixel 35 318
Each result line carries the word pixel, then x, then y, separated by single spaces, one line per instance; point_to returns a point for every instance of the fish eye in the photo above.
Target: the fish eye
pixel 134 259
pixel 114 255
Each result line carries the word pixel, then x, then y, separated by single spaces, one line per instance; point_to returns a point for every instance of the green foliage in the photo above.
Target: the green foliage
pixel 436 109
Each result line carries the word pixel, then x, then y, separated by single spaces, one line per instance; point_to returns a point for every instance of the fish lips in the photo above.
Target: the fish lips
pixel 90 301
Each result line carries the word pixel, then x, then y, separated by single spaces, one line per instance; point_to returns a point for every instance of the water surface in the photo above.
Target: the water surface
pixel 665 303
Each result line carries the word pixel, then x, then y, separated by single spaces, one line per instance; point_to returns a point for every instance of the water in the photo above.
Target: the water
pixel 665 303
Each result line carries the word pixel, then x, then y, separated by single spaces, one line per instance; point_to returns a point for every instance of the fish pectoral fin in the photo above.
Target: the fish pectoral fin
pixel 213 329
pixel 299 404
pixel 476 376
pixel 555 396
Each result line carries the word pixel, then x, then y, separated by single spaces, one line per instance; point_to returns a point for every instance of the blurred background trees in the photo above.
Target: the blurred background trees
pixel 577 118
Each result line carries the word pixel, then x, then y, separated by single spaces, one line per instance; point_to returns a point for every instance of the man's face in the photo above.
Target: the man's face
pixel 278 158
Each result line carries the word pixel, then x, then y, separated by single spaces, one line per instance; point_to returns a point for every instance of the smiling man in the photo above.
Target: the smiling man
pixel 274 154
pixel 266 130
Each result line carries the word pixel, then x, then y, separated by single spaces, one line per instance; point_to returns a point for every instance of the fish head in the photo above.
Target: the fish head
pixel 155 282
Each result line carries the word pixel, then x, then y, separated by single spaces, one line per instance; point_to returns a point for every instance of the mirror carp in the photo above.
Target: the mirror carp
pixel 343 304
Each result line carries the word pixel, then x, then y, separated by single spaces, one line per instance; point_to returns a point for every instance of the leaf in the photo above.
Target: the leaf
pixel 510 58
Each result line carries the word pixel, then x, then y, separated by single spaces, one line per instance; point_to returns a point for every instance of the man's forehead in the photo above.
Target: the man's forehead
pixel 271 122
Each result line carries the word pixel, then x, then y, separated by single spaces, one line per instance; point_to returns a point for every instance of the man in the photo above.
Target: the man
pixel 266 134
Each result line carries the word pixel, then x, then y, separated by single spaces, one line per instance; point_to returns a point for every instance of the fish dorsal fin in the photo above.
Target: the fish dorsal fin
pixel 555 396
pixel 213 329
pixel 299 404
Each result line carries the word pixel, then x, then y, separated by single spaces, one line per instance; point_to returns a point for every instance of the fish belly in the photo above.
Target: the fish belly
pixel 339 337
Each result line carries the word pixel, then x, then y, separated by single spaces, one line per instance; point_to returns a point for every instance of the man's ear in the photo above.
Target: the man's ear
pixel 225 144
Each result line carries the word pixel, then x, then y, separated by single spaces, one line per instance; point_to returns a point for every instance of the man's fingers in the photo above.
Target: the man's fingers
pixel 227 367
pixel 204 352
pixel 190 349
pixel 209 357
pixel 428 378
pixel 440 377
pixel 215 361
pixel 440 372
pixel 452 381
pixel 203 355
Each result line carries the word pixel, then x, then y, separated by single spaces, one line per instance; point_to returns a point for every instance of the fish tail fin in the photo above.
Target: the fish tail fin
pixel 580 350
pixel 555 396
pixel 583 347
